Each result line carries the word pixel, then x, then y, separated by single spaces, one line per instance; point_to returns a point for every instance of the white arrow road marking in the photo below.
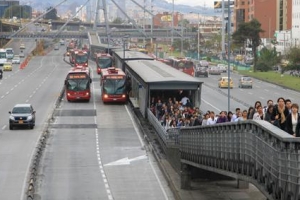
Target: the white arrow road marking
pixel 126 161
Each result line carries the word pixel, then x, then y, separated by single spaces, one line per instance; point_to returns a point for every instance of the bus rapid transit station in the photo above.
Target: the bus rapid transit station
pixel 152 79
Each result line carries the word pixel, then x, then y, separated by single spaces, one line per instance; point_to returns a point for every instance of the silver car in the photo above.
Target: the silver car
pixel 245 81
pixel 16 59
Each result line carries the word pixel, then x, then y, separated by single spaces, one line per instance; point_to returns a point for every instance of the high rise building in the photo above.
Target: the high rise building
pixel 296 22
pixel 272 14
pixel 4 4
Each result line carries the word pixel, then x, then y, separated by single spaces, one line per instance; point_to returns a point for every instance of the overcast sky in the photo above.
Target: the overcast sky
pixel 208 3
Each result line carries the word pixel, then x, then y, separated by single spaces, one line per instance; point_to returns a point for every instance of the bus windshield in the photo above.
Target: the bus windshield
pixel 185 64
pixel 114 86
pixel 80 59
pixel 2 54
pixel 78 84
pixel 104 62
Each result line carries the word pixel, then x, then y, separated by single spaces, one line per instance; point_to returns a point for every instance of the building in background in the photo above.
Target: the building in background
pixel 296 22
pixel 274 15
pixel 4 4
pixel 121 4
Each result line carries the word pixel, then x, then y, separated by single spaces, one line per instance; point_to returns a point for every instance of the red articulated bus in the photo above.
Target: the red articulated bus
pixel 81 58
pixel 182 64
pixel 103 61
pixel 113 85
pixel 78 84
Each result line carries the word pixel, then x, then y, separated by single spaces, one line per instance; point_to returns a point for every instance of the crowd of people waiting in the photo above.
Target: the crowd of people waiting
pixel 176 113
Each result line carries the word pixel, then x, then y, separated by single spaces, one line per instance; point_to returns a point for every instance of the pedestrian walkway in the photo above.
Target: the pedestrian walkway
pixel 201 189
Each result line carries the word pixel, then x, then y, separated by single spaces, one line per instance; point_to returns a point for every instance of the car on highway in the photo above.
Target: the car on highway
pixel 56 47
pixel 7 66
pixel 239 57
pixel 22 46
pixel 16 60
pixel 245 81
pixel 21 54
pixel 201 71
pixel 214 70
pixel 22 115
pixel 222 67
pixel 204 63
pixel 223 82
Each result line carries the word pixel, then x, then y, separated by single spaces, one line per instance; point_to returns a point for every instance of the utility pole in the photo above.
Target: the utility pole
pixel 223 28
pixel 228 70
pixel 172 23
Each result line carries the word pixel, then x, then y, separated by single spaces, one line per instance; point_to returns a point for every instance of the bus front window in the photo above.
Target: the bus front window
pixel 81 59
pixel 114 86
pixel 104 62
pixel 78 85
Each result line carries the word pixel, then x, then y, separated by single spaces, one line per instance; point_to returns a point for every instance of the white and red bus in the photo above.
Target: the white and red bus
pixel 103 61
pixel 182 64
pixel 113 85
pixel 78 84
pixel 81 58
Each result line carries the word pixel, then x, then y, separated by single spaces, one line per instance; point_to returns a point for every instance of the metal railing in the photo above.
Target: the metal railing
pixel 254 151
pixel 169 137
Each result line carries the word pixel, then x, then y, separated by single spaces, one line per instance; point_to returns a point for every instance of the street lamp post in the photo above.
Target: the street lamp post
pixel 198 37
pixel 125 39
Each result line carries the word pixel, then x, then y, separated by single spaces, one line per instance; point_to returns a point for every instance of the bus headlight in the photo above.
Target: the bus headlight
pixel 123 96
pixel 105 96
pixel 87 94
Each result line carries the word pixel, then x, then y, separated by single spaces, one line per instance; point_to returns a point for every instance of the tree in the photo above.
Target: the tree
pixel 15 11
pixel 249 31
pixel 268 59
pixel 293 56
pixel 52 14
pixel 117 20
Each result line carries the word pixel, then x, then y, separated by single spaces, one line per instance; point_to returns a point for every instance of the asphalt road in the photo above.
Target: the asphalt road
pixel 95 151
pixel 39 84
pixel 216 99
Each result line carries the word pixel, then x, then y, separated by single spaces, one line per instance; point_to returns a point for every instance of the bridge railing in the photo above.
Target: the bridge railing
pixel 254 151
pixel 169 136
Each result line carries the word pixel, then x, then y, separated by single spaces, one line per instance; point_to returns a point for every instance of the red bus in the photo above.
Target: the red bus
pixel 103 61
pixel 182 64
pixel 113 85
pixel 72 55
pixel 78 84
pixel 81 58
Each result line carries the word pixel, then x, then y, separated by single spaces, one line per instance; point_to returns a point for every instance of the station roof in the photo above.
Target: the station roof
pixel 132 55
pixel 159 75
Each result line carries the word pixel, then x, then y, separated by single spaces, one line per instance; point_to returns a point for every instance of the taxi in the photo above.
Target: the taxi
pixel 7 66
pixel 239 57
pixel 223 82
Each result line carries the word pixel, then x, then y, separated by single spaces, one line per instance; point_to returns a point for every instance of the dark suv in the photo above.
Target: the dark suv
pixel 201 71
pixel 22 115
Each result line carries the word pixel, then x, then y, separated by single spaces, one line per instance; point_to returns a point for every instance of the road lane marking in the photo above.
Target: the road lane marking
pixel 211 105
pixel 100 165
pixel 143 145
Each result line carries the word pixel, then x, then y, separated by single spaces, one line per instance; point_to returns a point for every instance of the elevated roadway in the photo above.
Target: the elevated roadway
pixel 78 34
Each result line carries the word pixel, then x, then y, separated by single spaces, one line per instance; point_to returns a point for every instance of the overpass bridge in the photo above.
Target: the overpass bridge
pixel 163 33
pixel 250 151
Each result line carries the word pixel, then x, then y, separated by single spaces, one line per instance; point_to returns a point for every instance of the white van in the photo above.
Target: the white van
pixel 9 53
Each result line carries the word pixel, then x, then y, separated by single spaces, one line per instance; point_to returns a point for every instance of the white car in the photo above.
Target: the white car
pixel 16 59
pixel 22 55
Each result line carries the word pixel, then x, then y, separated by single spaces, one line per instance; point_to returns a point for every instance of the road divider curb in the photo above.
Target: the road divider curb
pixel 39 149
